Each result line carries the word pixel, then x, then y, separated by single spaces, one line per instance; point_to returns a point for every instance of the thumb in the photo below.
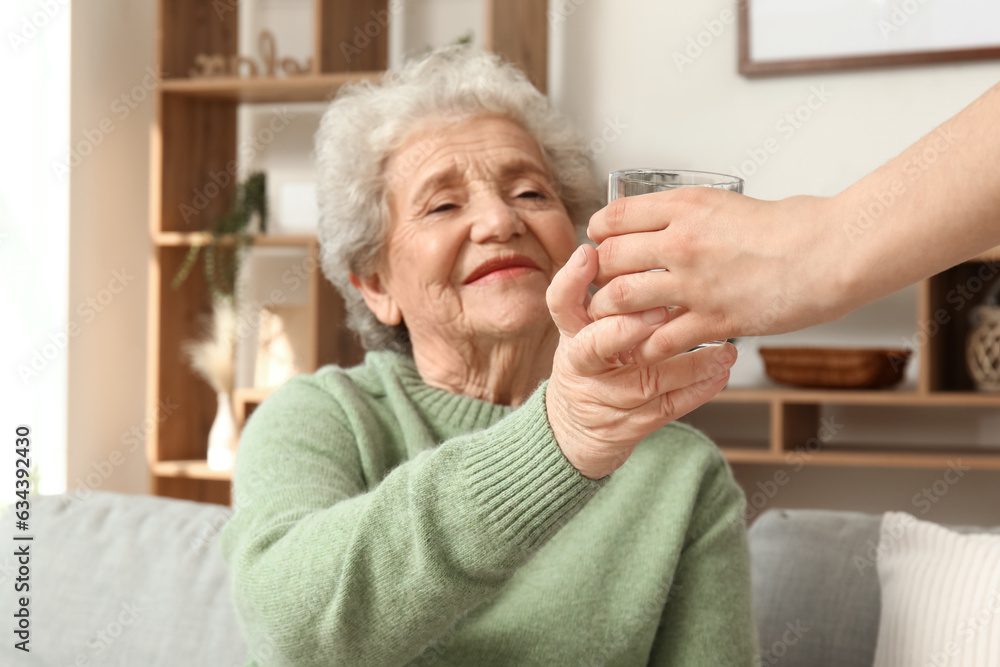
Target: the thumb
pixel 567 295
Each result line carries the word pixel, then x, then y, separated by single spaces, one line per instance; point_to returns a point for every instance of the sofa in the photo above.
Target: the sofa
pixel 128 580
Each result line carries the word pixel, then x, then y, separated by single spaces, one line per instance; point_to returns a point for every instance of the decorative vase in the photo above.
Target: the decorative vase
pixel 222 438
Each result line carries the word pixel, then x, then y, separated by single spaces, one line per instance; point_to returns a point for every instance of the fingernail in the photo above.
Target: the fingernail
pixel 726 354
pixel 654 316
pixel 580 256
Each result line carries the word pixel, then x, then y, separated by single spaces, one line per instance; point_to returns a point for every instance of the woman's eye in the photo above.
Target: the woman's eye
pixel 531 194
pixel 441 208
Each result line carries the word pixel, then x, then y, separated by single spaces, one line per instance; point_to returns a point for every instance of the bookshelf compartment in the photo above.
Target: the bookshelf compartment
pixel 742 427
pixel 185 404
pixel 952 297
pixel 198 171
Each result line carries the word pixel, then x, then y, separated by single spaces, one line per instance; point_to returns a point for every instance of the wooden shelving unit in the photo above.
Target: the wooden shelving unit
pixel 194 137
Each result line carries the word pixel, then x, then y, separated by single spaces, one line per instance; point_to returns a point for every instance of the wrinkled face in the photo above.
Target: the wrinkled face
pixel 477 232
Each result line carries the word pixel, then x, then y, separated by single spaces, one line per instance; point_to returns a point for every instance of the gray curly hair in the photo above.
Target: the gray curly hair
pixel 367 122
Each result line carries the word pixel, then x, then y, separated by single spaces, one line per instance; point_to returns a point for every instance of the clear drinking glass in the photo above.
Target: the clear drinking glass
pixel 631 182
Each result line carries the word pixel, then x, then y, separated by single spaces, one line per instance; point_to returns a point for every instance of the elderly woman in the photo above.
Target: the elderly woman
pixel 475 493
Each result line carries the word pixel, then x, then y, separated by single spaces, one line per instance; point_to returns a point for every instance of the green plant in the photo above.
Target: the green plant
pixel 230 237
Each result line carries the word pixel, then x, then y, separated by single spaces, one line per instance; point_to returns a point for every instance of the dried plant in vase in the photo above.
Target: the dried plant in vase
pixel 213 357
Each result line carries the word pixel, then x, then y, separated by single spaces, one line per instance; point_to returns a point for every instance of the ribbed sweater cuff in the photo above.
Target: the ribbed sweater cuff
pixel 518 475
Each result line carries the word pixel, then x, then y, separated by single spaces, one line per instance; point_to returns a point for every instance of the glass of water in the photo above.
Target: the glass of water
pixel 631 182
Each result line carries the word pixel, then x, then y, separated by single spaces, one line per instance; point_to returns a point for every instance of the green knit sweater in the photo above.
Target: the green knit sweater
pixel 381 521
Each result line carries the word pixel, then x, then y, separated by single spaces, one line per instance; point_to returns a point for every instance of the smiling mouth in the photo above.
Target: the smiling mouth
pixel 501 268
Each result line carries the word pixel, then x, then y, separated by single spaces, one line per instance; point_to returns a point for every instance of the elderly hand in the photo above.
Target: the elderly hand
pixel 736 266
pixel 611 383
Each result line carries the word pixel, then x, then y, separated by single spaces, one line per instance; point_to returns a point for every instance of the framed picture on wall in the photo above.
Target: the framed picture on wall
pixel 794 36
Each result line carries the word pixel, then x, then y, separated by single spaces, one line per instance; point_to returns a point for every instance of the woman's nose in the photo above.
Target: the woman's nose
pixel 494 220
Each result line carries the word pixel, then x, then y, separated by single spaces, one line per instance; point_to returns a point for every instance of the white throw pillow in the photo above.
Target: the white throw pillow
pixel 940 596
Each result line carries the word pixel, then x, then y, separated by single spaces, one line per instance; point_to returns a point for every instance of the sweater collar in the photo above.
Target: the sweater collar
pixel 450 413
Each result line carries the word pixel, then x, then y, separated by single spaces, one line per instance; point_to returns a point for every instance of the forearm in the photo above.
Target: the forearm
pixel 933 206
pixel 376 577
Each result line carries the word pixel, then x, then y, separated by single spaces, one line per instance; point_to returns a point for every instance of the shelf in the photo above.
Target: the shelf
pixel 191 469
pixel 739 455
pixel 246 400
pixel 310 88
pixel 177 239
pixel 873 459
pixel 252 394
pixel 857 397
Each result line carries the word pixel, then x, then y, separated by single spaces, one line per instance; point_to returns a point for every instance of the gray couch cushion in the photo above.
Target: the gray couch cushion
pixel 123 580
pixel 814 602
pixel 816 595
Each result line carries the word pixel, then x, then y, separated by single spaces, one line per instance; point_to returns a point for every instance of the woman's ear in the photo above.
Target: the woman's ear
pixel 379 301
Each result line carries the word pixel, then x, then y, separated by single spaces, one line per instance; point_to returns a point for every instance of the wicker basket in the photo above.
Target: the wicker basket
pixel 835 368
pixel 982 353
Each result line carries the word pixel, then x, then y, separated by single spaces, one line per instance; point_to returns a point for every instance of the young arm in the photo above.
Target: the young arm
pixel 741 266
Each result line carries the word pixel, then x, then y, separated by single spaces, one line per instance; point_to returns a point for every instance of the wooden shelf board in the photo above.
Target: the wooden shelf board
pixel 192 469
pixel 857 397
pixel 871 459
pixel 310 88
pixel 745 395
pixel 744 455
pixel 176 239
pixel 252 394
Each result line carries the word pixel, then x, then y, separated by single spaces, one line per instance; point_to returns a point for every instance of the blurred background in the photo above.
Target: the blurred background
pixel 93 228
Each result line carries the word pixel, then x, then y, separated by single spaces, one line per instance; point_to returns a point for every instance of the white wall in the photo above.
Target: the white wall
pixel 613 65
pixel 34 217
pixel 112 105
